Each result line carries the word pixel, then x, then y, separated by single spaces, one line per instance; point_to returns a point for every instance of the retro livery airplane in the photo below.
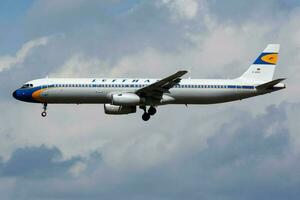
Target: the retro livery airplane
pixel 124 95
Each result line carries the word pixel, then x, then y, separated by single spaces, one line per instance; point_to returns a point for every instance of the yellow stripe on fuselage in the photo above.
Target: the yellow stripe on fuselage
pixel 37 95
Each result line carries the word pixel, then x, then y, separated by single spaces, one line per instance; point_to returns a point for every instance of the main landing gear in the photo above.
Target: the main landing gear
pixel 151 111
pixel 44 113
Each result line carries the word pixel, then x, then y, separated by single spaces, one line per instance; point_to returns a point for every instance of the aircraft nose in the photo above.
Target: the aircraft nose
pixel 15 95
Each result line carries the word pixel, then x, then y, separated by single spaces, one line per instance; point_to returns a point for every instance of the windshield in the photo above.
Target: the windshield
pixel 27 86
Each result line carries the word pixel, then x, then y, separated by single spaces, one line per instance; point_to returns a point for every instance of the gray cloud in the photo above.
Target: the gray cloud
pixel 36 162
pixel 249 157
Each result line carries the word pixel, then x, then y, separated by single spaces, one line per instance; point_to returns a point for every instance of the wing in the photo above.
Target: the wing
pixel 156 89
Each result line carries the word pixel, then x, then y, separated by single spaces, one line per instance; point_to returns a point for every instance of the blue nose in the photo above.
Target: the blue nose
pixel 15 94
pixel 23 95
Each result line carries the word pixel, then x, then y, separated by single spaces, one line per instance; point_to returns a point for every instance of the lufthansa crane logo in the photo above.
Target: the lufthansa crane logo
pixel 270 58
pixel 267 59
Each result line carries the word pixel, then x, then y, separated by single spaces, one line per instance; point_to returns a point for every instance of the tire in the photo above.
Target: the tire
pixel 145 116
pixel 44 114
pixel 152 111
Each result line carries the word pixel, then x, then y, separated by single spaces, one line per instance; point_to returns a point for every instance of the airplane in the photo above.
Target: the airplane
pixel 124 95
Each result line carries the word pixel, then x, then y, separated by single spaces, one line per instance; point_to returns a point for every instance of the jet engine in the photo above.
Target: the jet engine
pixel 118 110
pixel 125 99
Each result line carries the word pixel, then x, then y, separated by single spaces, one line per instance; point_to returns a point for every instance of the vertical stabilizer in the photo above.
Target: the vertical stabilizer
pixel 262 70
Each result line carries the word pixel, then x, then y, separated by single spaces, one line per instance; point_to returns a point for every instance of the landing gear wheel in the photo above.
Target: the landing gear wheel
pixel 44 114
pixel 152 110
pixel 146 116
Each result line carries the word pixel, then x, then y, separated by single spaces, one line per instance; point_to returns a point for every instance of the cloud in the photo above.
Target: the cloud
pixel 227 151
pixel 239 157
pixel 81 66
pixel 182 9
pixel 38 162
pixel 7 62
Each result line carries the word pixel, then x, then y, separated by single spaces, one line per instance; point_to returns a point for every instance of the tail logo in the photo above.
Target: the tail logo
pixel 267 59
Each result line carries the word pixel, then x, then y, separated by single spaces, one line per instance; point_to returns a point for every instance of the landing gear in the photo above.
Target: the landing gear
pixel 145 116
pixel 44 113
pixel 151 111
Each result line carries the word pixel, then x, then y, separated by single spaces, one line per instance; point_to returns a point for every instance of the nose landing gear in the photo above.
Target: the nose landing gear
pixel 44 113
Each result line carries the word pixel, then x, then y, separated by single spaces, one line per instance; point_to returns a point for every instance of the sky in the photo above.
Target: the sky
pixel 247 149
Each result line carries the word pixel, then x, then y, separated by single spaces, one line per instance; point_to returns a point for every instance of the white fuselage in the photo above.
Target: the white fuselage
pixel 99 91
pixel 124 95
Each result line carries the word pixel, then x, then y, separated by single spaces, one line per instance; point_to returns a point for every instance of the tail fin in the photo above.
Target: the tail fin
pixel 264 66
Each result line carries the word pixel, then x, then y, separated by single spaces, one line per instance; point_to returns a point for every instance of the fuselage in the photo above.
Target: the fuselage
pixel 124 95
pixel 100 90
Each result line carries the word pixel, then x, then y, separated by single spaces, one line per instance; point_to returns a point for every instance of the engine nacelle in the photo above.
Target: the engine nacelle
pixel 118 110
pixel 125 99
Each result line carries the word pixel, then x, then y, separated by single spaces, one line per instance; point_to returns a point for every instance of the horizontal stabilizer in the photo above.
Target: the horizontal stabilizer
pixel 269 85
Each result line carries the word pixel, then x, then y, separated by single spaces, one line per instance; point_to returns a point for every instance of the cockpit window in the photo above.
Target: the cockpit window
pixel 27 86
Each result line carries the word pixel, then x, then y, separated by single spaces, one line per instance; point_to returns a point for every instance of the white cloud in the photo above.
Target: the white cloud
pixel 7 62
pixel 182 9
pixel 78 168
pixel 80 65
